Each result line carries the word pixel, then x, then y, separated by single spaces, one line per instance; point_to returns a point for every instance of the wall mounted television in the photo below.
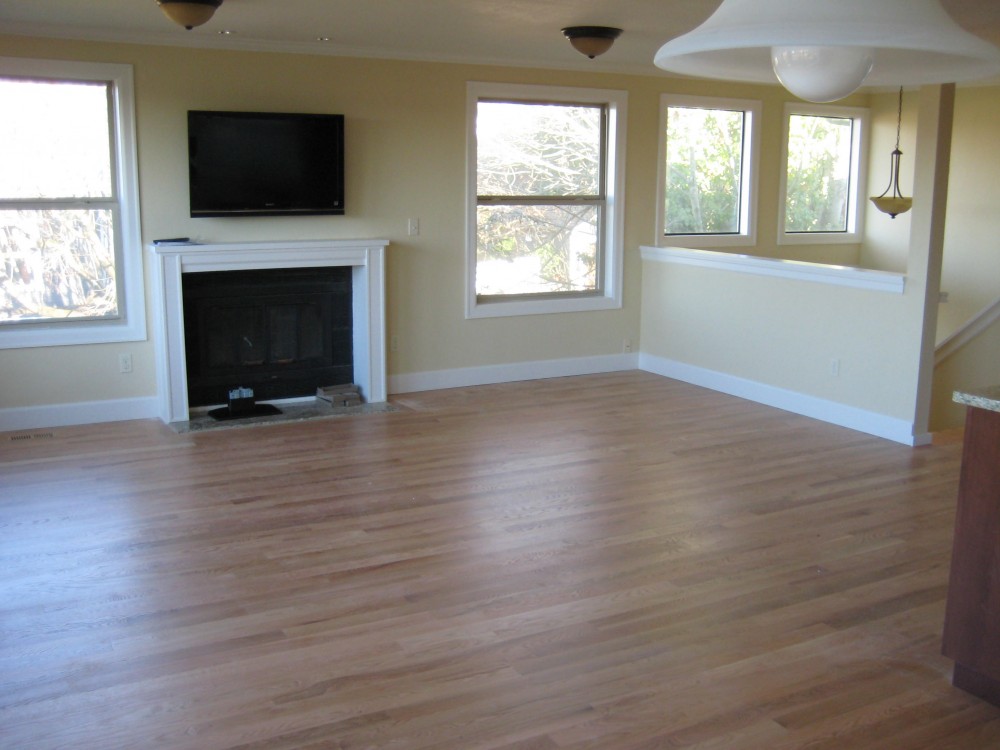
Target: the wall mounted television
pixel 265 163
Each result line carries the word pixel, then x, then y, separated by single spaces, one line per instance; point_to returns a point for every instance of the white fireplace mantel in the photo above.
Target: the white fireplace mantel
pixel 366 257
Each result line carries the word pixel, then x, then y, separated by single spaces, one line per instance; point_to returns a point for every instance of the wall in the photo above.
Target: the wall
pixel 782 333
pixel 406 158
pixel 853 355
pixel 971 260
pixel 974 365
pixel 405 129
pixel 971 272
pixel 971 268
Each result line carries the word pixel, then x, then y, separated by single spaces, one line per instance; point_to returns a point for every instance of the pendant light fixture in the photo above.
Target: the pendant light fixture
pixel 892 201
pixel 189 13
pixel 591 40
pixel 822 51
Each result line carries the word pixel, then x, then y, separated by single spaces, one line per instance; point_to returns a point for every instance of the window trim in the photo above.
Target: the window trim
pixel 859 169
pixel 747 236
pixel 130 325
pixel 610 296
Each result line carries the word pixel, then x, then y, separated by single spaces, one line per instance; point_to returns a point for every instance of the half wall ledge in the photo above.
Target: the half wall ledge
pixel 859 278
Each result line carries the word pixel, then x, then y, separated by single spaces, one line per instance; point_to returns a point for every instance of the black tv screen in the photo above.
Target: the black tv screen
pixel 265 163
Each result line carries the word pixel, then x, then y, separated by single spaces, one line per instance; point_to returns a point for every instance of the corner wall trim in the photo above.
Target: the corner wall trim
pixel 879 425
pixel 84 412
pixel 508 373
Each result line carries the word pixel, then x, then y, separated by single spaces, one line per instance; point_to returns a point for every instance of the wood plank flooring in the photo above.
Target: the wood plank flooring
pixel 615 561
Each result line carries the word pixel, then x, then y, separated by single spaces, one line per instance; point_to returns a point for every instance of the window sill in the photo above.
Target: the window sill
pixel 504 308
pixel 858 278
pixel 819 238
pixel 31 335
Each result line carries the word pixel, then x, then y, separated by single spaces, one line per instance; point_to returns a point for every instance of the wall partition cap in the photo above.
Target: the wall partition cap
pixel 915 41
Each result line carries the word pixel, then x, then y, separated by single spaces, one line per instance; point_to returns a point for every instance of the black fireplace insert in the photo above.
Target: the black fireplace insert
pixel 282 332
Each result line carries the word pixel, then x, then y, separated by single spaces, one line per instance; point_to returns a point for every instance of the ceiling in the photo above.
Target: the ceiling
pixel 504 32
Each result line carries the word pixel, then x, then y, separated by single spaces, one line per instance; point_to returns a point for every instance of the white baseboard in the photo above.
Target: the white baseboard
pixel 890 428
pixel 63 415
pixel 85 412
pixel 552 368
pixel 880 425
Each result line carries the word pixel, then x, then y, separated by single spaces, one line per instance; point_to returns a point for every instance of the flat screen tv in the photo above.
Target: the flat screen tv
pixel 265 163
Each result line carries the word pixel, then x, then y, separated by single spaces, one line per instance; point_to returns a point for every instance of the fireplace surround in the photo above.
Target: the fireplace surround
pixel 171 261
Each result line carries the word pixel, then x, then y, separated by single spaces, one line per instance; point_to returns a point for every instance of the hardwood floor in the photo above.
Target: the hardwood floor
pixel 616 561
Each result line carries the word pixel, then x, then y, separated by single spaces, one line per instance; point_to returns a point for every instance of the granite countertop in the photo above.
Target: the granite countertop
pixel 984 398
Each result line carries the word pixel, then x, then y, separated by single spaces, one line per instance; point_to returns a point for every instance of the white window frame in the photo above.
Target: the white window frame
pixel 610 296
pixel 130 325
pixel 747 234
pixel 859 171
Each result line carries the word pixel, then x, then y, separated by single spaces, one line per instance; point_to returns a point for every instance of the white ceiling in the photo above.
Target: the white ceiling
pixel 506 32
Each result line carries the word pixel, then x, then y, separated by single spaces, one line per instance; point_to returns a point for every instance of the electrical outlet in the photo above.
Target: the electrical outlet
pixel 835 367
pixel 627 346
pixel 394 343
pixel 125 363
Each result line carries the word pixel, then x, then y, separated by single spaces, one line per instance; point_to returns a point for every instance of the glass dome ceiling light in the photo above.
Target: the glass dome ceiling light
pixel 822 51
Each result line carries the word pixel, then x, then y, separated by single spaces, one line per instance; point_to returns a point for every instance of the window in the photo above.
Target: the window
pixel 708 157
pixel 70 255
pixel 545 184
pixel 823 171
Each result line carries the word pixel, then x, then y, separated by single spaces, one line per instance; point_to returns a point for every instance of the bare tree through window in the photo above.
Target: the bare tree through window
pixel 57 201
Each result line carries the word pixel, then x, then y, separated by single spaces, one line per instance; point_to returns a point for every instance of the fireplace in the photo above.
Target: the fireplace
pixel 357 263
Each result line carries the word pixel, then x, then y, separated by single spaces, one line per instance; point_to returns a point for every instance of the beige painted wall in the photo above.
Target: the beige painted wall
pixel 971 271
pixel 971 264
pixel 971 261
pixel 783 333
pixel 886 243
pixel 971 267
pixel 406 158
pixel 974 366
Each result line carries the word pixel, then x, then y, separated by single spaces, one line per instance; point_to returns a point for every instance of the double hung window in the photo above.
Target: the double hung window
pixel 545 194
pixel 70 256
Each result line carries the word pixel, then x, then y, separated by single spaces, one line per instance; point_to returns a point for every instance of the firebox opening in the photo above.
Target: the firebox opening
pixel 282 332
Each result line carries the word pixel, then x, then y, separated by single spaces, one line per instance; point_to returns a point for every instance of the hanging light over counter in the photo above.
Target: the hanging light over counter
pixel 892 201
